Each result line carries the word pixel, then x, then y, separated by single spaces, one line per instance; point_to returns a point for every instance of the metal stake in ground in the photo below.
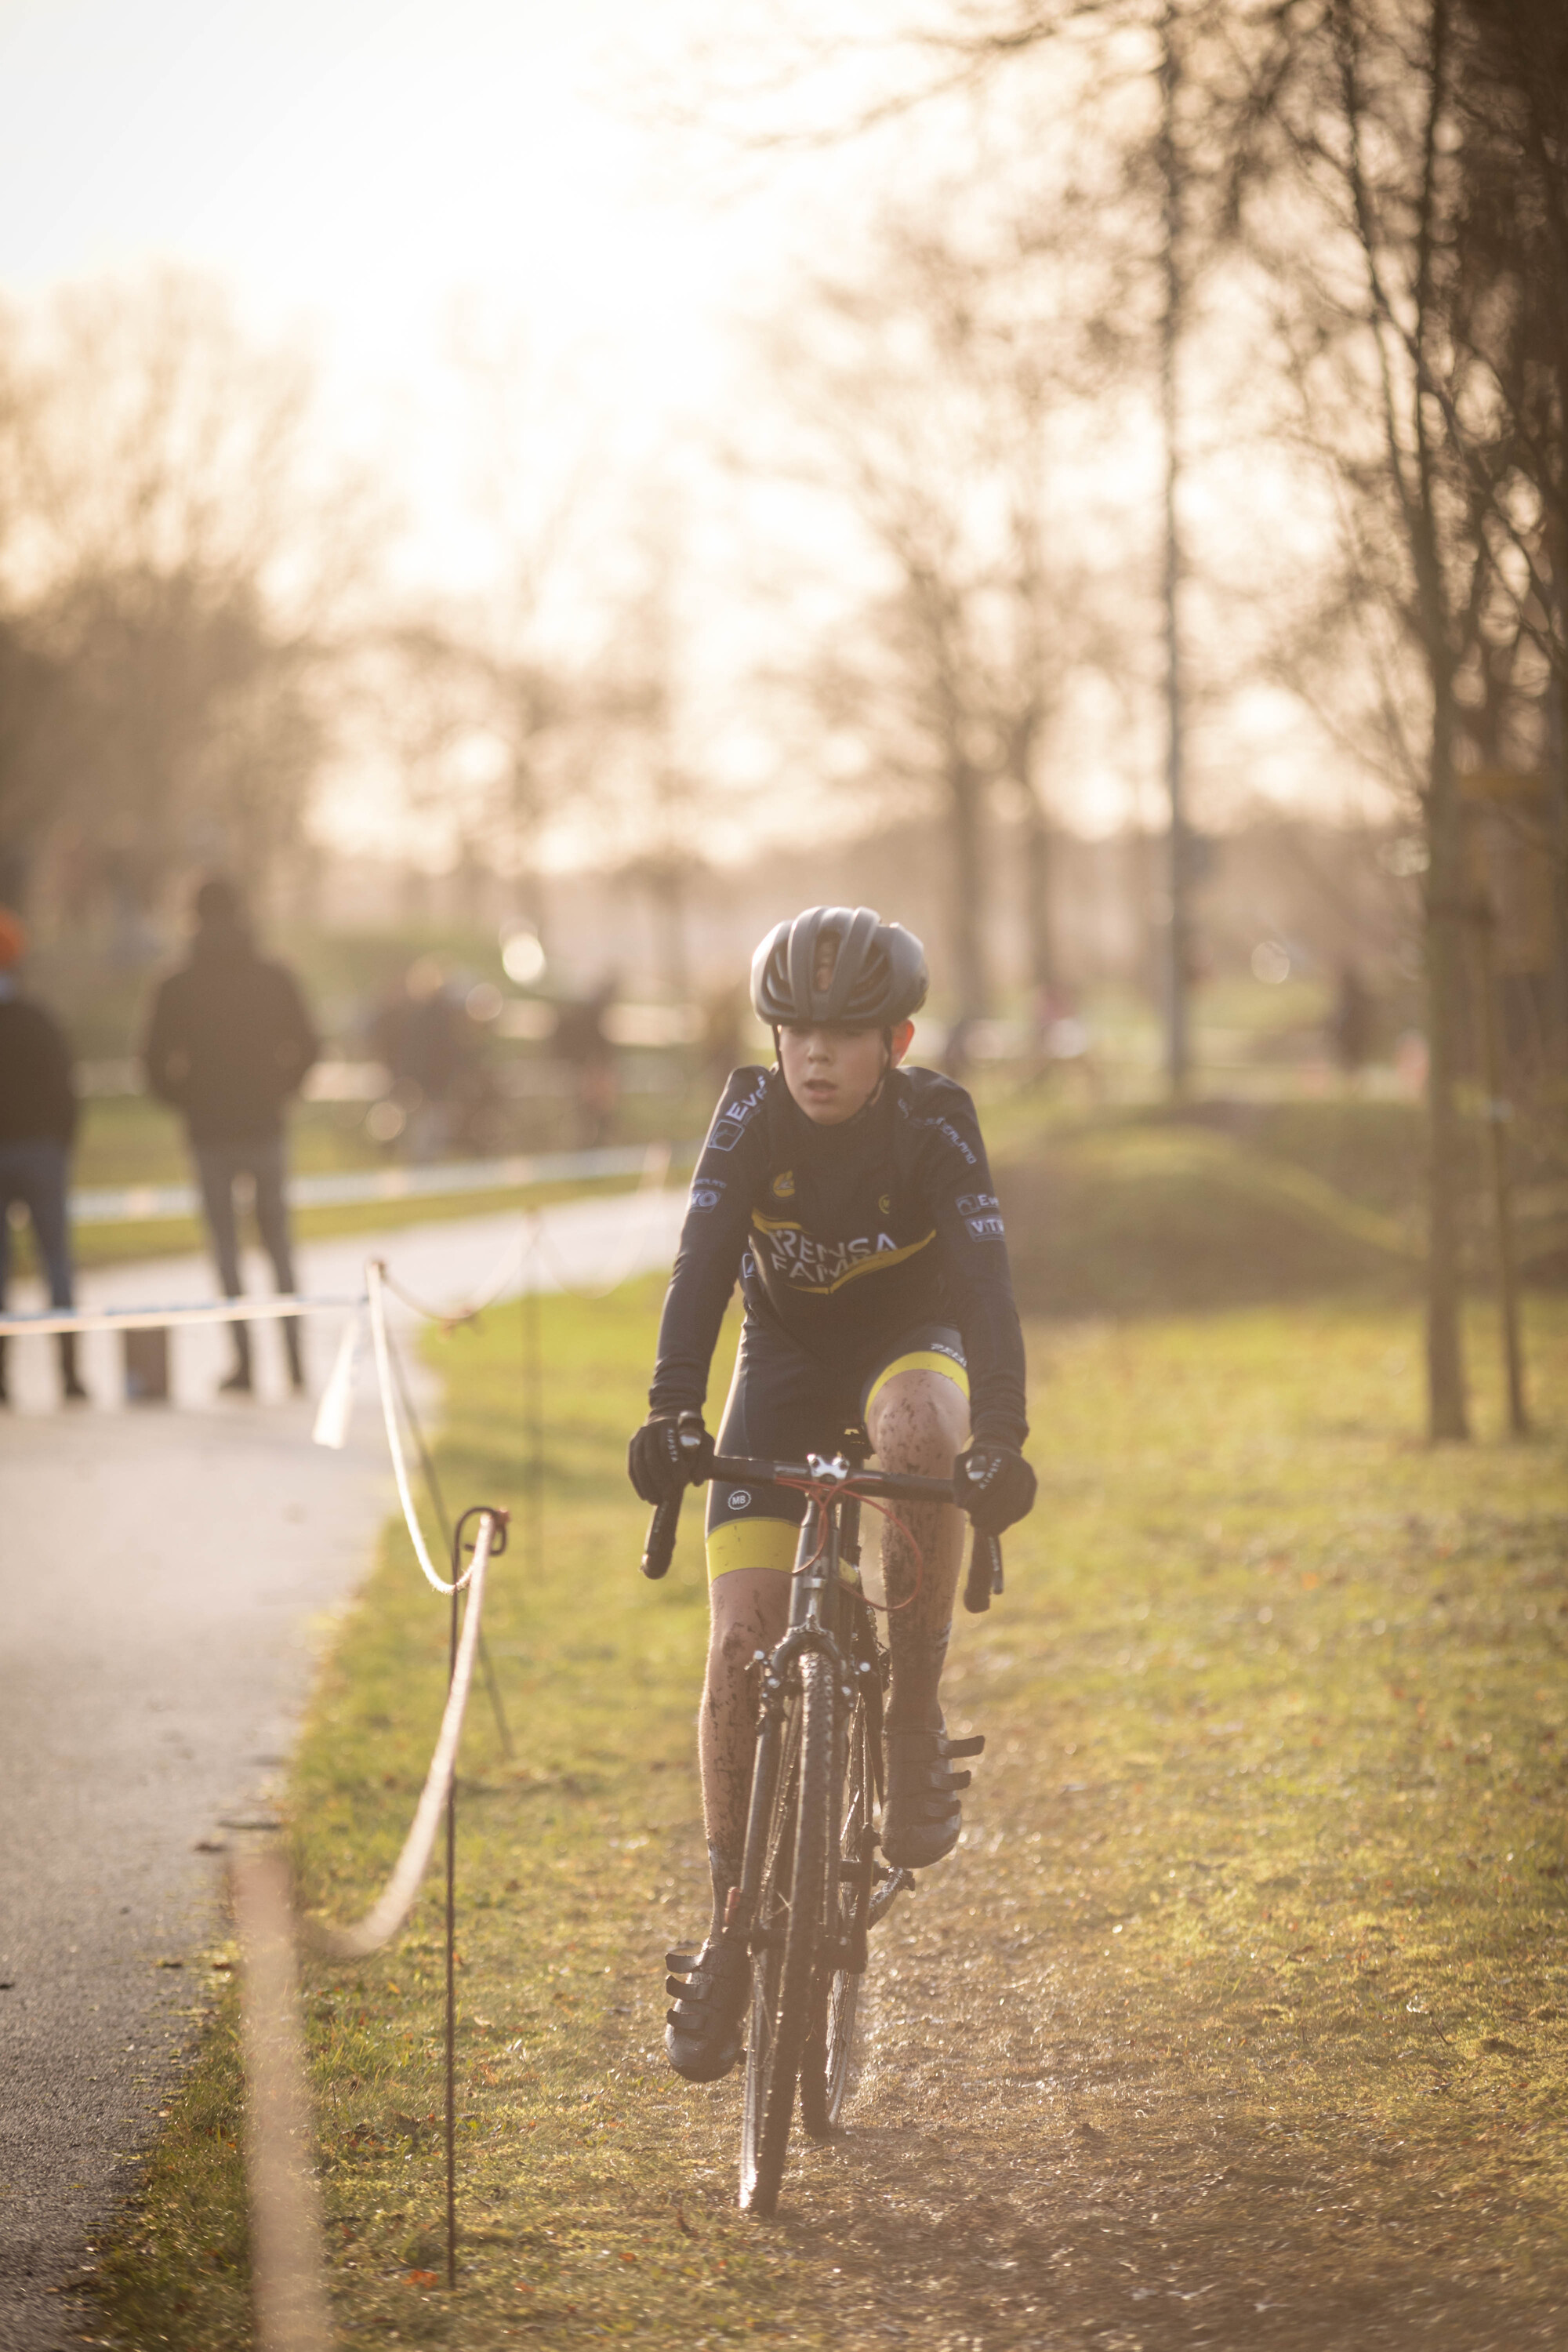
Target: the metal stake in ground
pixel 451 1959
pixel 533 1389
pixel 452 1937
pixel 481 1511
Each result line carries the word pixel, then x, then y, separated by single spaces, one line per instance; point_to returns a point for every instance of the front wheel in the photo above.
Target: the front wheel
pixel 787 1933
pixel 825 2067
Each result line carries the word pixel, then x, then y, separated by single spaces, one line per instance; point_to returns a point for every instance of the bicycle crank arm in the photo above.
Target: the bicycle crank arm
pixel 889 1886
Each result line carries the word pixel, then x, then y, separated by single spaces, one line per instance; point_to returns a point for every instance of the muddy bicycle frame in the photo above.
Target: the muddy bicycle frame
pixel 834 1489
pixel 810 1887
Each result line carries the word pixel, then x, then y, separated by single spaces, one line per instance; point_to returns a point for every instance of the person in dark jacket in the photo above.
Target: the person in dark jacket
pixel 38 1126
pixel 228 1042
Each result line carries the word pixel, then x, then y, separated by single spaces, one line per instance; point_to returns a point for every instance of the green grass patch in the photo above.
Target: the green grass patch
pixel 1241 2016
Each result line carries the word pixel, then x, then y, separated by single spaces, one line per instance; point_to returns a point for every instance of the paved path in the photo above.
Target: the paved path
pixel 164 1575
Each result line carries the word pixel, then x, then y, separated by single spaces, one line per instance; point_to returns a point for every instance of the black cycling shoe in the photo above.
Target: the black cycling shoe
pixel 710 1988
pixel 924 1817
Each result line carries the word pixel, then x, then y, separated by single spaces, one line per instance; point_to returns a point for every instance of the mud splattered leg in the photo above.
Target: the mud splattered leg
pixel 750 1610
pixel 918 1423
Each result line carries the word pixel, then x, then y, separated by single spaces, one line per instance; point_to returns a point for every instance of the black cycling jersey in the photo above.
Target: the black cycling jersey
pixel 845 1236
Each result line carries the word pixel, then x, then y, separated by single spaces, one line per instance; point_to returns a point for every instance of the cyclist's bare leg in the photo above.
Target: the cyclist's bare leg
pixel 918 1423
pixel 750 1610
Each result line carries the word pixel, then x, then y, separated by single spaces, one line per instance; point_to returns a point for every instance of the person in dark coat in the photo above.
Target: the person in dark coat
pixel 228 1042
pixel 37 1128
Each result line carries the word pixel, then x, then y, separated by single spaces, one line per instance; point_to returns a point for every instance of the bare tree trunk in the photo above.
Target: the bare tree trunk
pixel 669 894
pixel 1178 966
pixel 1500 1110
pixel 1445 1403
pixel 1038 896
pixel 967 886
pixel 1446 1410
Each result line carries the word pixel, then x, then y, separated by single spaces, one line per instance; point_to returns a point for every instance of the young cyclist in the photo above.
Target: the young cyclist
pixel 853 1199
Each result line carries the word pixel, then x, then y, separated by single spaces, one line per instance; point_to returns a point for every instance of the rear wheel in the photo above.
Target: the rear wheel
pixel 787 1933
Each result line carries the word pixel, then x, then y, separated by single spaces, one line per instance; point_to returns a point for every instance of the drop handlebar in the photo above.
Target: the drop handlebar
pixel 984 1577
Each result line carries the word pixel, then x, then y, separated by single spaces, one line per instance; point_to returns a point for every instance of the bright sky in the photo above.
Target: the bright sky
pixel 363 161
pixel 368 170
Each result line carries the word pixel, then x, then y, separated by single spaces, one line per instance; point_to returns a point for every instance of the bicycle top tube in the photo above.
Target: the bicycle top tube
pixel 835 1477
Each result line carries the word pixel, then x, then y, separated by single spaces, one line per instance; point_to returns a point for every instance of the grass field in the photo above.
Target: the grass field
pixel 1240 2017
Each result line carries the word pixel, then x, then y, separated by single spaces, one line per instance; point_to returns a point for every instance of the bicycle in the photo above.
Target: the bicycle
pixel 811 1888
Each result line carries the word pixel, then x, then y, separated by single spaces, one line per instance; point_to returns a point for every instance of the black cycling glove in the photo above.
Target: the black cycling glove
pixel 670 1453
pixel 995 1485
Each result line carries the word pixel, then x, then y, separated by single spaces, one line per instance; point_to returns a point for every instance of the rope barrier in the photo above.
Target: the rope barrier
pixel 374 1273
pixel 392 1907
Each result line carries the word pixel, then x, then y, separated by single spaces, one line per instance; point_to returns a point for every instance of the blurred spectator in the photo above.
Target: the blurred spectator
pixel 429 1046
pixel 38 1126
pixel 581 1042
pixel 228 1042
pixel 1354 1018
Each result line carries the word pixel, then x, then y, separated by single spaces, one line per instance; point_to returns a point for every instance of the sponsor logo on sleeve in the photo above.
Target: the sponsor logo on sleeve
pixel 984 1229
pixel 975 1204
pixel 707 1191
pixel 946 1128
pixel 730 1125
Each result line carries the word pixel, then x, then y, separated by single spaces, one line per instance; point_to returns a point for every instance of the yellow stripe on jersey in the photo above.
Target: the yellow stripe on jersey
pixel 871 1264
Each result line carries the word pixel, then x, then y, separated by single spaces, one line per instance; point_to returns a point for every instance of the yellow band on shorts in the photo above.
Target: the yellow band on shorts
pixel 924 1360
pixel 752 1543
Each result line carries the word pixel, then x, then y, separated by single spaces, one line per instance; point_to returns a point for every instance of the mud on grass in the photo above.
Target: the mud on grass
pixel 1239 2018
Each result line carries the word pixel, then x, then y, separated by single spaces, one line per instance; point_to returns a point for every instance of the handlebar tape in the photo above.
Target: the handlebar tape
pixel 984 1576
pixel 659 1549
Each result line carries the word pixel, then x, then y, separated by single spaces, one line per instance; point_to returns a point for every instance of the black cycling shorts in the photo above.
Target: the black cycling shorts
pixel 782 1405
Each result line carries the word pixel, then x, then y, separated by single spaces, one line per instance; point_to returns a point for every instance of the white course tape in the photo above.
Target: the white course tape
pixel 381 1922
pixel 332 1422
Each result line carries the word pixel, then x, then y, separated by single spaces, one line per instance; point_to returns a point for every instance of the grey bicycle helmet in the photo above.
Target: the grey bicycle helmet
pixel 878 975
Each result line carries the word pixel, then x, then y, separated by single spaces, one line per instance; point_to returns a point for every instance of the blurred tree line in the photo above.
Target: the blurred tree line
pixel 1385 183
pixel 1338 227
pixel 171 569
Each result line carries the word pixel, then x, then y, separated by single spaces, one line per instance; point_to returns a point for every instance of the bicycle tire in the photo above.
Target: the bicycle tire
pixel 824 2066
pixel 786 1937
